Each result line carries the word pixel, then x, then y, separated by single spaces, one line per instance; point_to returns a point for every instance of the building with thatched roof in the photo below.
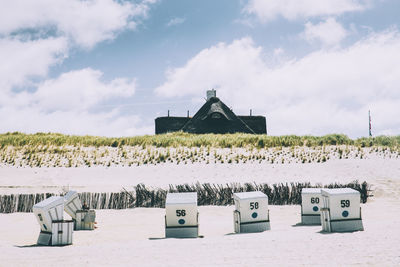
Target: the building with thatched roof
pixel 213 117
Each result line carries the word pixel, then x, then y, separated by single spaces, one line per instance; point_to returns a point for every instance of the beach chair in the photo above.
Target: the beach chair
pixel 251 212
pixel 83 217
pixel 54 231
pixel 181 215
pixel 341 211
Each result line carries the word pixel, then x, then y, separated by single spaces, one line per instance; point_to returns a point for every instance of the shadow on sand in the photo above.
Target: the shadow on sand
pixel 304 225
pixel 162 238
pixel 328 233
pixel 29 246
pixel 38 246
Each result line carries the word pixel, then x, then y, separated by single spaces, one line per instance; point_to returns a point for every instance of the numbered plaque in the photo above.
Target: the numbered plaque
pixel 311 203
pixel 341 210
pixel 181 215
pixel 251 212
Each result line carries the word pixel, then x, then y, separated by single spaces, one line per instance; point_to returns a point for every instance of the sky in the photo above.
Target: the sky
pixel 110 67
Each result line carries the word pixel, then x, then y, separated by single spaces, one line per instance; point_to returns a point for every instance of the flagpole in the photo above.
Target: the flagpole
pixel 369 119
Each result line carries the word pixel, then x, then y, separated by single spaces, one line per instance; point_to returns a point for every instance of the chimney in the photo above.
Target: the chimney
pixel 211 93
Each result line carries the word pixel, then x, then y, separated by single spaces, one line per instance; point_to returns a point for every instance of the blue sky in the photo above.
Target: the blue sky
pixel 104 67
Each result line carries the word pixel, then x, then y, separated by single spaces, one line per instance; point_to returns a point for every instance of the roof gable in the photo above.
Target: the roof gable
pixel 215 117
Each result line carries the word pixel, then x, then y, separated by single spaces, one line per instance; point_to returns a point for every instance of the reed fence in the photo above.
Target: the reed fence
pixel 208 194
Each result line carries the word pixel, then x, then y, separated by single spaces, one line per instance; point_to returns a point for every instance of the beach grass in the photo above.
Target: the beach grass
pixel 58 150
pixel 180 139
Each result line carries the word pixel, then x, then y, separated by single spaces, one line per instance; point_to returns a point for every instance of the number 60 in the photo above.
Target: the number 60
pixel 314 200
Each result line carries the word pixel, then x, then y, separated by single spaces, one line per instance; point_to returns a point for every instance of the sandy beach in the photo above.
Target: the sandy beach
pixel 135 237
pixel 113 179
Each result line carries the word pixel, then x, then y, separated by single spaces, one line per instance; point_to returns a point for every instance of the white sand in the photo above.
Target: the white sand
pixel 102 179
pixel 135 237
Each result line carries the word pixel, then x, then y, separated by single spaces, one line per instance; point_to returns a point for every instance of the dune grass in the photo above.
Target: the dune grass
pixel 180 139
pixel 58 150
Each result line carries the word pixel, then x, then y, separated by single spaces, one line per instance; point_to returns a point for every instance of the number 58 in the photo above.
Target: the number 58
pixel 253 205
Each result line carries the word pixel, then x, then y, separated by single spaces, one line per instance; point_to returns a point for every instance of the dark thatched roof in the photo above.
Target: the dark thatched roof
pixel 215 117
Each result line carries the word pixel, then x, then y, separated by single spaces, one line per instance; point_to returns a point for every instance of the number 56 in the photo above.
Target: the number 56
pixel 180 213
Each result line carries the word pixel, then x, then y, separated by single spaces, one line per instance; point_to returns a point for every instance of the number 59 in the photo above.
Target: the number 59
pixel 344 203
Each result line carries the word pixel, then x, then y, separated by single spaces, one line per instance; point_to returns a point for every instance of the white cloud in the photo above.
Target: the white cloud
pixel 329 32
pixel 269 10
pixel 80 90
pixel 36 35
pixel 21 60
pixel 323 92
pixel 279 51
pixel 64 105
pixel 206 69
pixel 31 120
pixel 40 35
pixel 85 23
pixel 175 21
